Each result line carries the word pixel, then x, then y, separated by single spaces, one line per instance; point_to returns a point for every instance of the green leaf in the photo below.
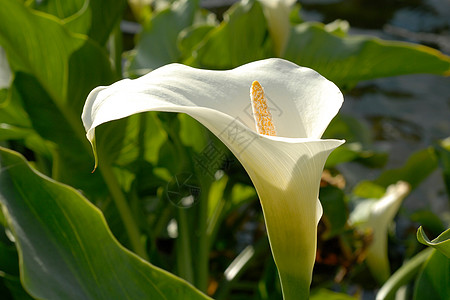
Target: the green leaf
pixel 58 8
pixel 10 132
pixel 94 18
pixel 349 128
pixel 441 243
pixel 416 169
pixel 38 44
pixel 143 140
pixel 403 275
pixel 242 37
pixel 15 124
pixel 57 231
pixel 101 15
pixel 347 60
pixel 434 280
pixel 191 37
pixel 354 152
pixel 358 143
pixel 193 134
pixel 44 114
pixel 54 72
pixel 73 150
pixel 369 190
pixel 157 45
pixel 67 66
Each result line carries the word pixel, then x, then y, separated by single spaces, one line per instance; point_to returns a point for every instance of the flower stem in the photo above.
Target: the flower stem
pixel 203 241
pixel 131 227
pixel 293 287
pixel 184 252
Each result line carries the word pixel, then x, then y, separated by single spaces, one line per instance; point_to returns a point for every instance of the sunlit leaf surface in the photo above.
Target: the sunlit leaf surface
pixel 65 247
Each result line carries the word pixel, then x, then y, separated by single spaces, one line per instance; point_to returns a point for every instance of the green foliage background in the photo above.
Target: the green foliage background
pixel 63 227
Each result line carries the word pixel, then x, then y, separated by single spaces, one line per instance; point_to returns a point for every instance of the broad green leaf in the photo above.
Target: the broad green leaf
pixel 57 231
pixel 369 190
pixel 101 15
pixel 11 132
pixel 94 18
pixel 193 134
pixel 349 128
pixel 15 124
pixel 359 143
pixel 60 9
pixel 38 44
pixel 54 71
pixel 416 169
pixel 441 243
pixel 67 66
pixel 143 140
pixel 355 152
pixel 44 114
pixel 192 36
pixel 88 67
pixel 347 60
pixel 67 74
pixel 242 37
pixel 157 43
pixel 434 280
pixel 204 21
pixel 73 151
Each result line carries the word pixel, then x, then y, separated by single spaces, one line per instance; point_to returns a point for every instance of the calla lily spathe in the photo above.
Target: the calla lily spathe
pixel 285 169
pixel 277 14
pixel 376 215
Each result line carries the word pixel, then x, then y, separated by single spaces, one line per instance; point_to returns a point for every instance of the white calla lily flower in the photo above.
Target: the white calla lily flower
pixel 377 215
pixel 277 14
pixel 285 169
